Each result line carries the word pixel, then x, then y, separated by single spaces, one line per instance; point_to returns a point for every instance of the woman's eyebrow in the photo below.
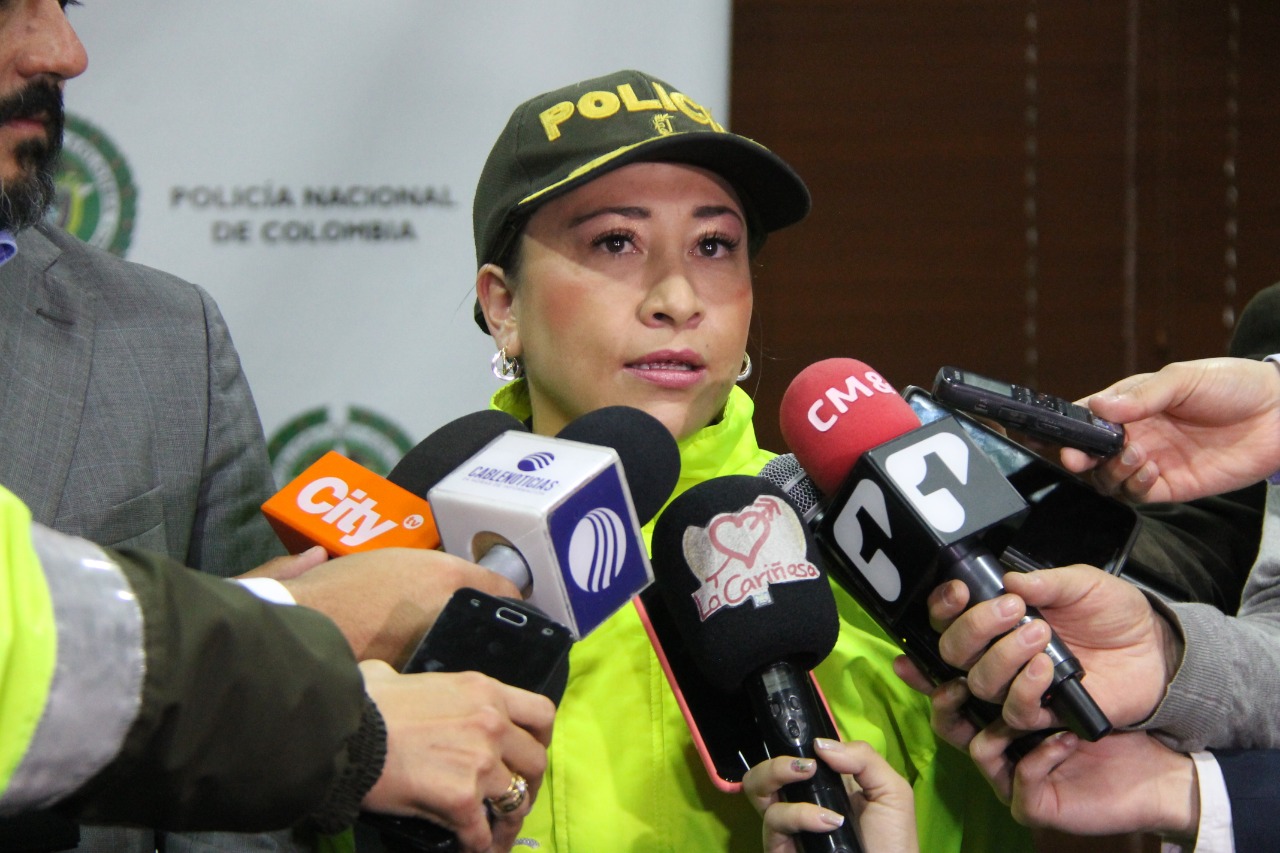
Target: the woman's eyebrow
pixel 628 212
pixel 711 211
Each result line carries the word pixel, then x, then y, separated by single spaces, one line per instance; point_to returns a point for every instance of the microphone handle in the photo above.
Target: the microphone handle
pixel 509 563
pixel 789 717
pixel 983 574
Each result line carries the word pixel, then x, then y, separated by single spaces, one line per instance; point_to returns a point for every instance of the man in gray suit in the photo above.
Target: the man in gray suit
pixel 124 415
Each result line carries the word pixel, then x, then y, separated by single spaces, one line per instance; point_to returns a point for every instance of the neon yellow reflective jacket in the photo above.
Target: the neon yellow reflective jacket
pixel 624 774
pixel 28 639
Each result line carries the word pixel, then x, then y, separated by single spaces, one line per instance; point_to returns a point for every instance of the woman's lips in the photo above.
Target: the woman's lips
pixel 668 370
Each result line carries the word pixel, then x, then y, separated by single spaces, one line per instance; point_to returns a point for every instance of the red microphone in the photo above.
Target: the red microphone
pixel 835 411
pixel 909 507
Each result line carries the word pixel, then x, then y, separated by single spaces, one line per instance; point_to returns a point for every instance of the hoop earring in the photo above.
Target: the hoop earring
pixel 504 368
pixel 746 368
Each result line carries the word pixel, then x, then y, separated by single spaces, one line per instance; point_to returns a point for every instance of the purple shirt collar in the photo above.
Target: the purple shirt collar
pixel 8 246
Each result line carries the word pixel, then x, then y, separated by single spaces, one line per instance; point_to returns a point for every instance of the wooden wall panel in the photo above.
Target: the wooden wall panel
pixel 910 123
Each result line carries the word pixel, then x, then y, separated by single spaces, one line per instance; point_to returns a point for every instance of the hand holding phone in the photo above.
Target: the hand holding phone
pixel 1069 522
pixel 1044 416
pixel 503 638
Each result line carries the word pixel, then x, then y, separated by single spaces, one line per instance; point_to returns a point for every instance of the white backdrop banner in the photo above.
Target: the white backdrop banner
pixel 312 163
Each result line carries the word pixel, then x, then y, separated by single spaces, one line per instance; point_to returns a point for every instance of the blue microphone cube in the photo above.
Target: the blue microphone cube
pixel 565 507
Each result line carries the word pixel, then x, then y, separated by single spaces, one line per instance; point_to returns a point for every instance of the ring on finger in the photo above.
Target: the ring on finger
pixel 512 798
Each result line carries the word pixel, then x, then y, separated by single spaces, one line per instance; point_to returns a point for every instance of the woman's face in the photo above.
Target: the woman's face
pixel 634 289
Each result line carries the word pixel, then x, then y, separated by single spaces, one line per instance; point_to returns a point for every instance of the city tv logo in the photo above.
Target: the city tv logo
pixel 738 555
pixel 597 550
pixel 350 510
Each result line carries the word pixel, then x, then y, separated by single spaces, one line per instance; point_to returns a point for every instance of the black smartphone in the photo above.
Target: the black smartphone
pixel 722 724
pixel 505 639
pixel 1033 412
pixel 1069 521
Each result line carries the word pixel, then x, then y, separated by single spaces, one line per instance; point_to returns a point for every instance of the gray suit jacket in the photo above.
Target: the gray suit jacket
pixel 125 418
pixel 1226 693
pixel 124 415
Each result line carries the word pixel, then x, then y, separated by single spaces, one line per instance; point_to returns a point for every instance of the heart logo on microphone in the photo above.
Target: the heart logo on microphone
pixel 740 536
pixel 738 555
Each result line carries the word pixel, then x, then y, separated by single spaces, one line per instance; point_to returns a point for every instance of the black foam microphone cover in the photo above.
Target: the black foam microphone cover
pixel 440 453
pixel 741 576
pixel 648 453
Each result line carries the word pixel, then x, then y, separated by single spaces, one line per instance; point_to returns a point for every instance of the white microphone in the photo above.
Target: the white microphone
pixel 557 516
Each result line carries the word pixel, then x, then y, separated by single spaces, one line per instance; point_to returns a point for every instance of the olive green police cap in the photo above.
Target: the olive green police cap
pixel 560 140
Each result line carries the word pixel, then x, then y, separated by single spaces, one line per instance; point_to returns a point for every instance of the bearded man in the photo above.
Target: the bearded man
pixel 125 417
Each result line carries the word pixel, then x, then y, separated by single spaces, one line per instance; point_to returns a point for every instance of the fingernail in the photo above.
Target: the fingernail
pixel 1039 666
pixel 802 765
pixel 1008 605
pixel 825 743
pixel 1144 474
pixel 949 595
pixel 1065 738
pixel 956 691
pixel 1034 634
pixel 831 818
pixel 1129 456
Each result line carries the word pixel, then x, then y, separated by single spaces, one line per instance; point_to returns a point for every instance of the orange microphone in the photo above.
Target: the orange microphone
pixel 346 508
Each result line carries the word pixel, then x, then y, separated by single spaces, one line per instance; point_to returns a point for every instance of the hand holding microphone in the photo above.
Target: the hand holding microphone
pixel 736 570
pixel 910 507
pixel 557 517
pixel 883 799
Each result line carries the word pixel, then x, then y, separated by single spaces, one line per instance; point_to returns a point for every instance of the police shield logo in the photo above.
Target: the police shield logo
pixel 95 197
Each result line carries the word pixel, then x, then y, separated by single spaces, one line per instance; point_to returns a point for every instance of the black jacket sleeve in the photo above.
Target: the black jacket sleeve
pixel 253 714
pixel 1201 550
pixel 1253 785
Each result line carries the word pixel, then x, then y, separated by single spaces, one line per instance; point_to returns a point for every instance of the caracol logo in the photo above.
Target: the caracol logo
pixel 350 510
pixel 95 199
pixel 536 461
pixel 364 437
pixel 597 550
pixel 879 570
pixel 909 468
pixel 739 554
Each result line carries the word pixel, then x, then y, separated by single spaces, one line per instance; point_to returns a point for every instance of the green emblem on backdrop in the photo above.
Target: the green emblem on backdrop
pixel 96 199
pixel 364 437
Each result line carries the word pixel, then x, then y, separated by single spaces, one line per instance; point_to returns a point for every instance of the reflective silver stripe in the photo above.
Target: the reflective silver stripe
pixel 97 681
